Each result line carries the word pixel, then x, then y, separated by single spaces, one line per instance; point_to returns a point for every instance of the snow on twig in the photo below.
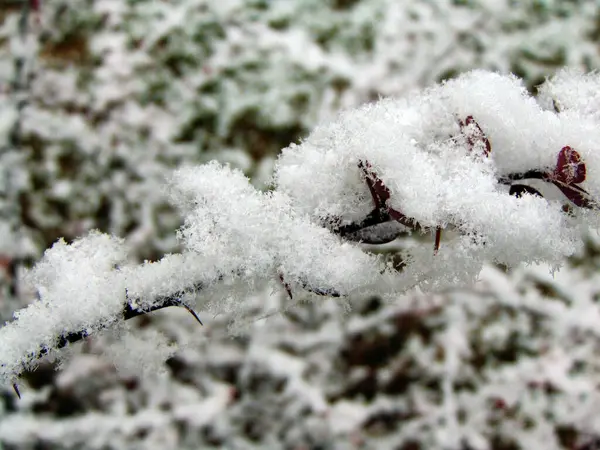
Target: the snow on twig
pixel 444 157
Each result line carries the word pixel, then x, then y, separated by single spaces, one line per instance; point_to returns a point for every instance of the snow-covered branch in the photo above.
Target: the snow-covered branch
pixel 477 156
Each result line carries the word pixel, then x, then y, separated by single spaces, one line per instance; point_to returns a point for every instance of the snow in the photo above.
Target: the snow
pixel 78 290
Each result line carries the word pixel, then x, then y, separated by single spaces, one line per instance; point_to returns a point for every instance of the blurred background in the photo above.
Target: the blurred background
pixel 101 99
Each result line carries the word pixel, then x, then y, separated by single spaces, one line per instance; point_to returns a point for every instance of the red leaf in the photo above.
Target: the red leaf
pixel 474 134
pixel 569 167
pixel 576 194
pixel 379 191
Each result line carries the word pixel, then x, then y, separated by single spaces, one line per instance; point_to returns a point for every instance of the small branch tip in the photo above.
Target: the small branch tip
pixel 16 388
pixel 193 313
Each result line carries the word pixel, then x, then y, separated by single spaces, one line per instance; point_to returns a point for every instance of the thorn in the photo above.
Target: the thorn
pixel 193 313
pixel 438 238
pixel 286 286
pixel 16 388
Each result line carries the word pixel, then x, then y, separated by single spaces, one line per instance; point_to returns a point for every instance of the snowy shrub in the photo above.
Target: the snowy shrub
pixel 455 156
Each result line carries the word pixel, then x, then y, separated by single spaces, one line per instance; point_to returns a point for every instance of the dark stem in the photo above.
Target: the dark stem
pixel 175 299
pixel 530 174
pixel 375 217
pixel 383 213
pixel 129 312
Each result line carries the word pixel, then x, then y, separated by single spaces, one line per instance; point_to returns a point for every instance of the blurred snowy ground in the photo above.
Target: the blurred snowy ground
pixel 121 92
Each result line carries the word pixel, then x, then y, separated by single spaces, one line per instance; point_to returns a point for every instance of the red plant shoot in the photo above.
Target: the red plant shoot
pixel 475 135
pixel 569 172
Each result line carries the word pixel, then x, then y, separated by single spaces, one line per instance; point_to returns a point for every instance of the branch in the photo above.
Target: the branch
pixel 432 170
pixel 569 171
pixel 129 312
pixel 135 305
